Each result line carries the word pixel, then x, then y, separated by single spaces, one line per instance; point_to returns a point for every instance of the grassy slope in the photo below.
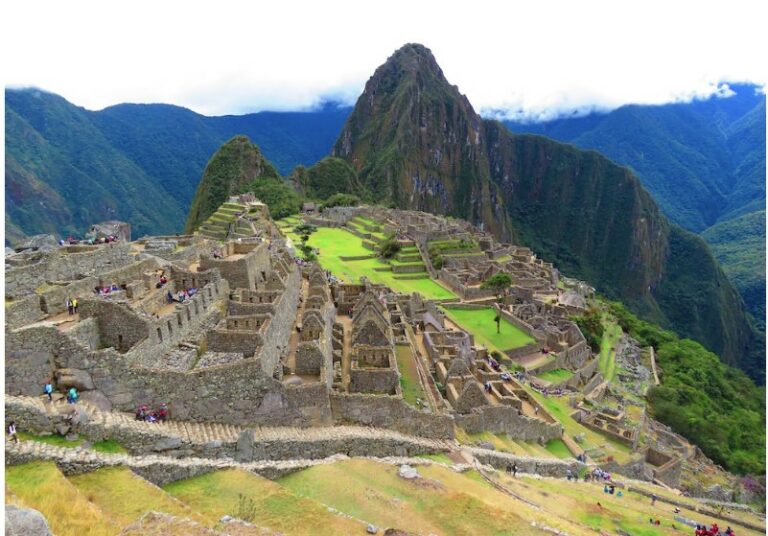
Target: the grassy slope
pixel 607 356
pixel 447 503
pixel 217 494
pixel 124 497
pixel 480 323
pixel 41 485
pixel 409 377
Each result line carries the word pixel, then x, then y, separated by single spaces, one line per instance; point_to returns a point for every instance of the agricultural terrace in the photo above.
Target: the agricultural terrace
pixel 481 324
pixel 335 243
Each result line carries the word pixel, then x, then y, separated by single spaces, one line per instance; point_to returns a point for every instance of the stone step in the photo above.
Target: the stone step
pixel 202 433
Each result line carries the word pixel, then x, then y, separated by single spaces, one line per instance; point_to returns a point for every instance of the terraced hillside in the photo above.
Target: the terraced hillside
pixel 231 220
pixel 344 497
pixel 351 253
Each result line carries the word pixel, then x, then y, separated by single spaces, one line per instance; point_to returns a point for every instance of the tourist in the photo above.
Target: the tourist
pixel 169 297
pixel 514 469
pixel 70 308
pixel 509 469
pixel 162 413
pixel 181 297
pixel 12 432
pixel 48 390
pixel 74 305
pixel 653 499
pixel 568 475
pixel 72 395
pixel 114 287
pixel 141 413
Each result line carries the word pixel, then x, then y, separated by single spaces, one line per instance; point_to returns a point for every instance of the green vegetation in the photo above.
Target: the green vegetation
pixel 329 176
pixel 108 446
pixel 607 356
pixel 55 440
pixel 230 171
pixel 68 512
pixel 335 243
pixel 341 200
pixel 481 323
pixel 224 492
pixel 389 248
pixel 715 406
pixel 427 506
pixel 591 326
pixel 124 497
pixel 498 282
pixel 409 376
pixel 739 245
pixel 556 376
pixel 136 160
pixel 558 449
pixel 281 199
pixel 559 409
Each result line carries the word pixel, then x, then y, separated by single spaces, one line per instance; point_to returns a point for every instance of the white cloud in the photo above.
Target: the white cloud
pixel 231 57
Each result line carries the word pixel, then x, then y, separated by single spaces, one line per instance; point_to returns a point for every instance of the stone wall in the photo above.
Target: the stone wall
pixel 119 327
pixel 59 265
pixel 505 419
pixel 244 272
pixel 373 380
pixel 23 311
pixel 389 412
pixel 526 464
pixel 236 393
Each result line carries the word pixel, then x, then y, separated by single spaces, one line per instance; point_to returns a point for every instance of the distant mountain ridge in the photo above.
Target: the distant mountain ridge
pixel 67 167
pixel 703 162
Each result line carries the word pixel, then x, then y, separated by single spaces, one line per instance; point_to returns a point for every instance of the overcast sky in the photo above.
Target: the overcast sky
pixel 543 57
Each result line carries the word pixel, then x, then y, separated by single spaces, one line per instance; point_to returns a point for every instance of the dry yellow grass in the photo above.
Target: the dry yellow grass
pixel 273 506
pixel 40 485
pixel 124 497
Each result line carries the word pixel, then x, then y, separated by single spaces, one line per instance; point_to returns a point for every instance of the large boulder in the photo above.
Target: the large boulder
pixel 79 379
pixel 97 399
pixel 25 522
pixel 41 241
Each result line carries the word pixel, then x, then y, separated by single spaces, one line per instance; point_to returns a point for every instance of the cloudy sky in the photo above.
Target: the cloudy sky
pixel 535 57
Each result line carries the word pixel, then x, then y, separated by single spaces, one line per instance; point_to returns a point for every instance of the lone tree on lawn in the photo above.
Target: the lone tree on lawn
pixel 498 283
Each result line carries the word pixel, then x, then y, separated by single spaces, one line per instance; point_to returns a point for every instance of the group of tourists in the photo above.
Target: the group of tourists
pixel 512 469
pixel 72 241
pixel 72 306
pixel 109 289
pixel 145 413
pixel 182 296
pixel 714 530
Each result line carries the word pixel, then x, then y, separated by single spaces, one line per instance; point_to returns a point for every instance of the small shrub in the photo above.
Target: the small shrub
pixel 389 248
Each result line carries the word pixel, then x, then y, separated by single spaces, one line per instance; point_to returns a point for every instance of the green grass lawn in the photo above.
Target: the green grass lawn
pixel 611 336
pixel 409 376
pixel 559 409
pixel 556 376
pixel 335 243
pixel 558 449
pixel 55 440
pixel 480 323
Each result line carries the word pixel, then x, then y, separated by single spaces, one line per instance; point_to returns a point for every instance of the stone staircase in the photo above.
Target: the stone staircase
pixel 215 439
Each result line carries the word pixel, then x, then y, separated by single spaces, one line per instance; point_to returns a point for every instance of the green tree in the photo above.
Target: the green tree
pixel 389 248
pixel 498 283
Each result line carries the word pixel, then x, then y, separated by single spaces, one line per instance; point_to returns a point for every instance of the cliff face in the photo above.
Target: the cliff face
pixel 416 141
pixel 229 171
